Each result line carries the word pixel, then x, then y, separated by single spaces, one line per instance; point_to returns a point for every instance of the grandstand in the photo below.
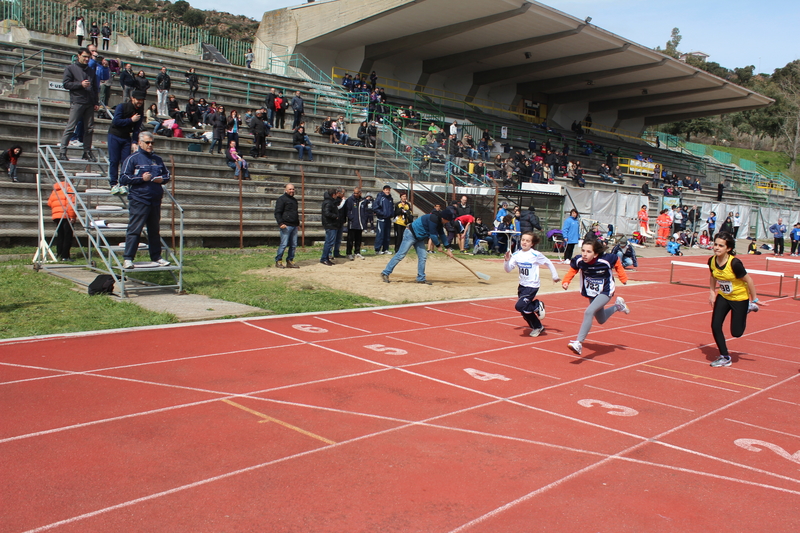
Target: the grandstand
pixel 32 113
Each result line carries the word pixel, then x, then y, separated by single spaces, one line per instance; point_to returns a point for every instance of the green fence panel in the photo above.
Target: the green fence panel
pixel 696 149
pixel 746 164
pixel 722 157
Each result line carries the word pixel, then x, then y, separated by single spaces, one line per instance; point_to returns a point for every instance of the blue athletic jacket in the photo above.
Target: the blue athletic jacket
pixel 131 175
pixel 430 226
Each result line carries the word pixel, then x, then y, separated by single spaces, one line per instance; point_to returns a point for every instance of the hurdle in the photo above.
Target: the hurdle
pixel 779 275
pixel 781 259
pixel 796 282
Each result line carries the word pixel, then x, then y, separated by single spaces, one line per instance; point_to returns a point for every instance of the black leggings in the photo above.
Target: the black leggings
pixel 738 310
pixel 568 251
pixel 795 246
pixel 778 246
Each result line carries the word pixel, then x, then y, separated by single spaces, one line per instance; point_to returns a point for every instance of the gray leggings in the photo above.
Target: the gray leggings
pixel 596 310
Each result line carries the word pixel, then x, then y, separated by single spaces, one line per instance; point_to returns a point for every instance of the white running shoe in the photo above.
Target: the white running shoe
pixel 541 312
pixel 752 308
pixel 575 346
pixel 359 256
pixel 127 264
pixel 535 332
pixel 163 262
pixel 622 306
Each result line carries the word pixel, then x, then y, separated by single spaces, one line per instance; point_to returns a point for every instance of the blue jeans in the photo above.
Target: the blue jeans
pixel 216 141
pixel 304 149
pixel 330 241
pixel 337 246
pixel 410 240
pixel 383 230
pixel 118 150
pixel 288 239
pixel 626 261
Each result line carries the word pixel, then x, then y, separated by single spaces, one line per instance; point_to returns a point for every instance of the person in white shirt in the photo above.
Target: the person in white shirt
pixel 737 222
pixel 528 261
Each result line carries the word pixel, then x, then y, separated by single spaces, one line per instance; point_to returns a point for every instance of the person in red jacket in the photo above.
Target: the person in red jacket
pixel 61 201
pixel 9 159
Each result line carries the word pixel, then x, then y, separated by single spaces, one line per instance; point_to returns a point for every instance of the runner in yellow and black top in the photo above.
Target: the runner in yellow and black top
pixel 732 289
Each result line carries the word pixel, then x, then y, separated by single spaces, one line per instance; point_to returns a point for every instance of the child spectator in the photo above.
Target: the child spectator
pixel 8 161
pixel 795 237
pixel 752 248
pixel 674 247
pixel 105 31
pixel 236 161
pixel 61 201
pixel 704 242
pixel 94 33
pixel 528 261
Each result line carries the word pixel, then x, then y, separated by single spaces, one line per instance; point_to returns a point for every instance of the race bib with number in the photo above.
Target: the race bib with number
pixel 593 286
pixel 725 287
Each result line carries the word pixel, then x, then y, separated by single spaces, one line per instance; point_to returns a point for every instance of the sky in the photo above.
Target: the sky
pixel 734 33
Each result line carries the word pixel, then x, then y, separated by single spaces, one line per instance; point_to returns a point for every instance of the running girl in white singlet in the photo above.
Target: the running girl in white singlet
pixel 528 261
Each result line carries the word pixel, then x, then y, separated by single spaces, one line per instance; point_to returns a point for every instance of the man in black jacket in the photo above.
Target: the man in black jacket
pixel 124 132
pixel 299 109
pixel 127 80
pixel 163 85
pixel 528 221
pixel 288 219
pixel 79 80
pixel 259 130
pixel 330 222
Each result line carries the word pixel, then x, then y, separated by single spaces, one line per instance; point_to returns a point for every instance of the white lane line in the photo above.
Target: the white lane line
pixel 639 398
pixel 516 368
pixel 418 344
pixel 731 368
pixel 775 344
pixel 687 381
pixel 449 312
pixel 398 318
pixel 625 347
pixel 295 339
pixel 761 427
pixel 773 358
pixel 587 359
pixel 478 335
pixel 341 325
pixel 784 401
pixel 500 309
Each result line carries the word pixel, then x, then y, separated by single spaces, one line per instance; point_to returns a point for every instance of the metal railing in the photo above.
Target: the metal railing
pixel 47 16
pixel 21 64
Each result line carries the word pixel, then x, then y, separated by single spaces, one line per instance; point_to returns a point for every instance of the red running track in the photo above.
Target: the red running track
pixel 425 418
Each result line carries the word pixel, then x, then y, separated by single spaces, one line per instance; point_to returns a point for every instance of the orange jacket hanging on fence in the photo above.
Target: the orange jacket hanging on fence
pixel 664 225
pixel 58 202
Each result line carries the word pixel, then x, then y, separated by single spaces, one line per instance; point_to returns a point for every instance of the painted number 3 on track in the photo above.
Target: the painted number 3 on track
pixel 614 410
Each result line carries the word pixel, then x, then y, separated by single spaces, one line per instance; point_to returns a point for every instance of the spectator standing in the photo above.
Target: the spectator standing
pixel 122 134
pixel 79 80
pixel 9 160
pixel 425 227
pixel 269 104
pixel 664 225
pixel 143 84
pixel 143 173
pixel 778 231
pixel 571 233
pixel 193 82
pixel 298 107
pixel 105 31
pixel 281 104
pixel 463 208
pixel 383 207
pixel 330 221
pixel 288 219
pixel 103 76
pixel 232 128
pixel 80 30
pixel 218 125
pixel 720 189
pixel 727 225
pixel 712 222
pixel 403 217
pixel 644 219
pixel 356 208
pixel 737 222
pixel 528 222
pixel 795 238
pixel 249 57
pixel 340 205
pixel 259 130
pixel 94 33
pixel 61 201
pixel 163 85
pixel 127 80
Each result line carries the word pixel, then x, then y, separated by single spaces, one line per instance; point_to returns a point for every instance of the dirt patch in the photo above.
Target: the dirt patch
pixel 451 281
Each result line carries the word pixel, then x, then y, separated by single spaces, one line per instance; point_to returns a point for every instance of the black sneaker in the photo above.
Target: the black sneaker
pixel 63 157
pixel 385 278
pixel 89 156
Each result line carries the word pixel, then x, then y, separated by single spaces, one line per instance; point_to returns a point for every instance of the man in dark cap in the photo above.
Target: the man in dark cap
pixel 122 134
pixel 426 227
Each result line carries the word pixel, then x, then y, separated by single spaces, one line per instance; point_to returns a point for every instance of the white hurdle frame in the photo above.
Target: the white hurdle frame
pixel 780 275
pixel 781 259
pixel 796 282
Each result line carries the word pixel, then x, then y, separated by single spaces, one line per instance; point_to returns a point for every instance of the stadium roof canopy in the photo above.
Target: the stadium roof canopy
pixel 507 50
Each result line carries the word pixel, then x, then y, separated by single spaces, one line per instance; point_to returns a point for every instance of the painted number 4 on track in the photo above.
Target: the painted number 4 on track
pixel 485 376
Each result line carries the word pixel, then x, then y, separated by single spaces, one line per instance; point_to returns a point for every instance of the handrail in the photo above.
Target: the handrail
pixel 22 63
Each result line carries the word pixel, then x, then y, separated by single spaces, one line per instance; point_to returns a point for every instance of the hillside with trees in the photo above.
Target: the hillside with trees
pixel 236 27
pixel 774 128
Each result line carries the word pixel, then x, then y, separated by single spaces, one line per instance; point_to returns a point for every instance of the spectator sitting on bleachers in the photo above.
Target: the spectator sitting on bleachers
pixel 151 116
pixel 604 172
pixel 704 242
pixel 236 161
pixel 339 132
pixel 626 254
pixel 192 113
pixel 640 156
pixel 174 110
pixel 683 238
pixel 616 173
pixel 325 128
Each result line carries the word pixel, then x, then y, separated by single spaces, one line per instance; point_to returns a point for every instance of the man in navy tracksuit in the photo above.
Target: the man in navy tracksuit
pixel 123 132
pixel 143 173
pixel 417 234
pixel 384 212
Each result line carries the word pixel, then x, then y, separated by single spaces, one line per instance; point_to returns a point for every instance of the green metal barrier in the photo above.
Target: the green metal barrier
pixel 46 16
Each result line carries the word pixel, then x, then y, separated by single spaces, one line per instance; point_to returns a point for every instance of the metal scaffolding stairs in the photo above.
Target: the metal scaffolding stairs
pixel 103 217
